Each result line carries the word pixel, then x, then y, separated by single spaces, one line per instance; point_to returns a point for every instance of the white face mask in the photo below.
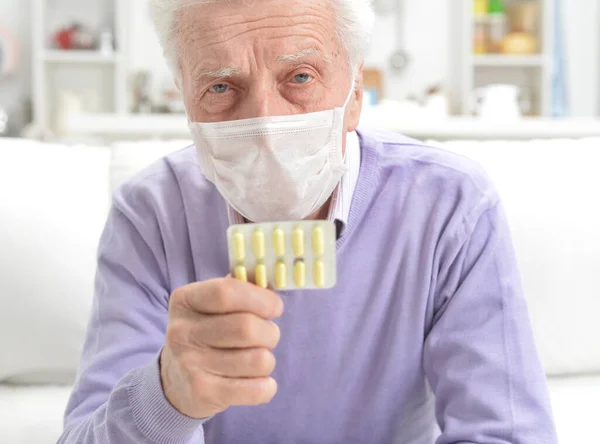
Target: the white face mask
pixel 274 168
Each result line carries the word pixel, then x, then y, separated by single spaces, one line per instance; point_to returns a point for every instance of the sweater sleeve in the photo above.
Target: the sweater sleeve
pixel 118 396
pixel 479 356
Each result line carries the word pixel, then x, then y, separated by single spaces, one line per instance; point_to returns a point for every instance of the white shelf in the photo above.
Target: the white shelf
pixel 469 128
pixel 78 56
pixel 152 126
pixel 468 71
pixel 474 128
pixel 500 60
pixel 129 125
pixel 490 18
pixel 103 74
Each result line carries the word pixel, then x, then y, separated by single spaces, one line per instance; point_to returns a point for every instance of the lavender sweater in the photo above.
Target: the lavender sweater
pixel 427 322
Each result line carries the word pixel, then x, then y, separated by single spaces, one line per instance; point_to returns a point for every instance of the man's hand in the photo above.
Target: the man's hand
pixel 218 346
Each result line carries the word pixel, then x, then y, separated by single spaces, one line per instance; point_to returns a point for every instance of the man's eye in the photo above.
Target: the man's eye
pixel 302 78
pixel 219 88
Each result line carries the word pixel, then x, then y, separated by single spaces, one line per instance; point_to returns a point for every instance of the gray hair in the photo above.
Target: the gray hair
pixel 354 25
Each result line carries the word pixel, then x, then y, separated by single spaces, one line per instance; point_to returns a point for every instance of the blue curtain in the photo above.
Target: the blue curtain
pixel 560 106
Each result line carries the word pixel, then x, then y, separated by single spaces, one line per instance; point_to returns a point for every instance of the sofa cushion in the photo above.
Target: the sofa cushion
pixel 575 404
pixel 550 190
pixel 128 158
pixel 53 205
pixel 32 414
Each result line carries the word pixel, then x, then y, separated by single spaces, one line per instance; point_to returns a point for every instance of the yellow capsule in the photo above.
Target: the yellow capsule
pixel 258 243
pixel 319 273
pixel 318 241
pixel 298 242
pixel 260 275
pixel 279 241
pixel 239 246
pixel 240 273
pixel 280 275
pixel 300 274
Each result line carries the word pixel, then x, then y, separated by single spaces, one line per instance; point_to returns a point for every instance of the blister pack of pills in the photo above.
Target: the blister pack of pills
pixel 284 255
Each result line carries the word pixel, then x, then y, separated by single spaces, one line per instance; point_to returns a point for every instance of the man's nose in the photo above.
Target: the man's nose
pixel 262 101
pixel 256 104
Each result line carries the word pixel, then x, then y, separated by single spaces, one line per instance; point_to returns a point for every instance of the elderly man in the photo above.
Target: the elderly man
pixel 427 323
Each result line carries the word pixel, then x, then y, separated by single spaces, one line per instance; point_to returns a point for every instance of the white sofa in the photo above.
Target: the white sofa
pixel 54 200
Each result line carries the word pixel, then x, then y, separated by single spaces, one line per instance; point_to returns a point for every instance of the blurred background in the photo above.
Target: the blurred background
pixel 94 68
pixel 86 102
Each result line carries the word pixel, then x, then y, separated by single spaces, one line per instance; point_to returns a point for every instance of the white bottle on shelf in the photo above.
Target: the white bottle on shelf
pixel 106 44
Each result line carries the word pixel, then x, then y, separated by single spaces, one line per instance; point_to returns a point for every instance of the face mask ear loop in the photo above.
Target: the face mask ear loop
pixel 352 89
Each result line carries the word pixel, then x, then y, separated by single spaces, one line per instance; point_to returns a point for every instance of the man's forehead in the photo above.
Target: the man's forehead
pixel 223 34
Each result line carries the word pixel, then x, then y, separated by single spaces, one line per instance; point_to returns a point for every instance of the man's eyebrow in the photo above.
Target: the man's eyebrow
pixel 216 74
pixel 297 57
pixel 230 71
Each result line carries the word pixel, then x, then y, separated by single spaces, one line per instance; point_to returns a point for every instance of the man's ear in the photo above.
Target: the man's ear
pixel 355 105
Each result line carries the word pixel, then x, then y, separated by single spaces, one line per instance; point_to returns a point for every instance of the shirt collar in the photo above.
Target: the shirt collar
pixel 341 199
pixel 339 210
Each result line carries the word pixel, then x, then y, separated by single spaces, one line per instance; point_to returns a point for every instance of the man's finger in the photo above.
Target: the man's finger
pixel 238 363
pixel 236 330
pixel 228 295
pixel 241 391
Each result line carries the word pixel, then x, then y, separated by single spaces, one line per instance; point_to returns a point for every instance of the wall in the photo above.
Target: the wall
pixel 582 49
pixel 425 42
pixel 148 56
pixel 17 19
pixel 426 38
